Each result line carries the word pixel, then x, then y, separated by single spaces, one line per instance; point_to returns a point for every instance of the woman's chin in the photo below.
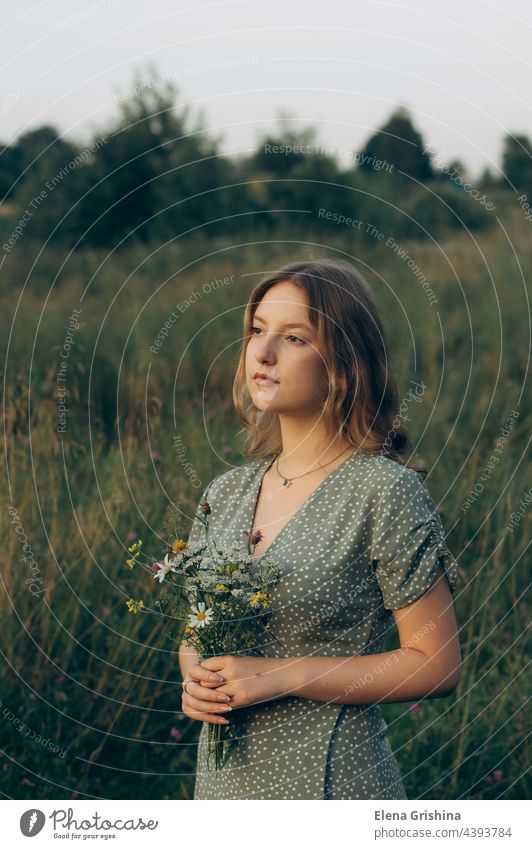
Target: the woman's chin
pixel 264 405
pixel 264 397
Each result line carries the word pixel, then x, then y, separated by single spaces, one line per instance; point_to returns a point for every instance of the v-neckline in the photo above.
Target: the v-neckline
pixel 257 488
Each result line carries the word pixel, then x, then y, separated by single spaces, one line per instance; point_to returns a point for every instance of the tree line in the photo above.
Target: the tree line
pixel 156 173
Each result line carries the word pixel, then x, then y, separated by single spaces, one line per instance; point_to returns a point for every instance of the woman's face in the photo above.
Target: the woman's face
pixel 287 354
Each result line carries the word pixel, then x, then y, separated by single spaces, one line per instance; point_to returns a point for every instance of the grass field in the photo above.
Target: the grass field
pixel 101 685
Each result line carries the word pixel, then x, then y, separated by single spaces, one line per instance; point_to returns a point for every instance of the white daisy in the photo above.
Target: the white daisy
pixel 165 567
pixel 200 616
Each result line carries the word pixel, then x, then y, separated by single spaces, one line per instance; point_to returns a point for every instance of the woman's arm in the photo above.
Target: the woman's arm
pixel 426 665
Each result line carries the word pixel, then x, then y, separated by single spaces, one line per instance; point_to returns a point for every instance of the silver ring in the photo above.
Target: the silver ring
pixel 185 687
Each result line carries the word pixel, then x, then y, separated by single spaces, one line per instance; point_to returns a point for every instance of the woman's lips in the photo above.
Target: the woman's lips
pixel 265 381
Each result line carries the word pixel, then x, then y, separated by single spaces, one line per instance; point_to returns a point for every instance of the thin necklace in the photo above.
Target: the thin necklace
pixel 288 481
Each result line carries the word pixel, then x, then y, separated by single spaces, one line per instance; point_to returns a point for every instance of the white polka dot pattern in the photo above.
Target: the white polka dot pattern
pixel 366 541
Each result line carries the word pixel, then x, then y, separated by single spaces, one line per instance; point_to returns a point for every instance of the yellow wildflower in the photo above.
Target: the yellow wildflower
pixel 178 545
pixel 259 598
pixel 134 606
pixel 221 587
pixel 131 560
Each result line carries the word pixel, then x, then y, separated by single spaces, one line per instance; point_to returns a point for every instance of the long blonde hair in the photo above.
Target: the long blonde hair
pixel 363 400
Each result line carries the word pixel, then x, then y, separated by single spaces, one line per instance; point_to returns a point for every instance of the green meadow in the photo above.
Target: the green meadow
pixel 90 694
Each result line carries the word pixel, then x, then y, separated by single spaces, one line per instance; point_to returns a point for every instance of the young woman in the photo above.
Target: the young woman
pixel 358 539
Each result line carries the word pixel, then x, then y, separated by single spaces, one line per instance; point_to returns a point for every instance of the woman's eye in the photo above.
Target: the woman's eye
pixel 297 338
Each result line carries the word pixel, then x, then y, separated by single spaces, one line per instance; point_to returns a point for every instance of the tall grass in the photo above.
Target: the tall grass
pixel 103 685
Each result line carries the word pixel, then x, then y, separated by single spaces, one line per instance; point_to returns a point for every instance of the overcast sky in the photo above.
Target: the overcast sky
pixel 463 68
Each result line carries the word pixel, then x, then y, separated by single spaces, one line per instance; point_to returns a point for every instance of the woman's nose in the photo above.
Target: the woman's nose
pixel 266 348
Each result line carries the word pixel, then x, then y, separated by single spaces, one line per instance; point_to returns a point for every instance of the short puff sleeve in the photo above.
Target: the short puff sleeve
pixel 407 541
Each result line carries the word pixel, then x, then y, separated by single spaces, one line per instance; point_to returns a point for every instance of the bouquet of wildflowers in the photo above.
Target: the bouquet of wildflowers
pixel 222 594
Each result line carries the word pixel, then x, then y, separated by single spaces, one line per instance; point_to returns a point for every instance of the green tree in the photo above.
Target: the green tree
pixel 21 160
pixel 399 144
pixel 280 152
pixel 517 162
pixel 9 170
pixel 160 170
pixel 55 175
pixel 148 159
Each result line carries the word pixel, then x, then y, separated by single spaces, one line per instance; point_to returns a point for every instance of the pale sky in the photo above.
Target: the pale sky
pixel 463 68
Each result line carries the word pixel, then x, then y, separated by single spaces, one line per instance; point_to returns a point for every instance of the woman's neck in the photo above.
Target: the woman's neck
pixel 308 446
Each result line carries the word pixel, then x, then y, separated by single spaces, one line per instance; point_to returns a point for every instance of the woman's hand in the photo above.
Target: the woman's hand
pixel 201 701
pixel 248 679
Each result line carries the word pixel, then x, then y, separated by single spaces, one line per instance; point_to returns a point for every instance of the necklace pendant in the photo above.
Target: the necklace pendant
pixel 287 482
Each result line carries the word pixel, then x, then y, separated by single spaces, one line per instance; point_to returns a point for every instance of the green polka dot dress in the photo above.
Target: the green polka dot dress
pixel 366 541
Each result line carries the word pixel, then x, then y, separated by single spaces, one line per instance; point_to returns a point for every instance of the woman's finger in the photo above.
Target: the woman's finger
pixel 190 709
pixel 204 706
pixel 207 717
pixel 200 691
pixel 202 674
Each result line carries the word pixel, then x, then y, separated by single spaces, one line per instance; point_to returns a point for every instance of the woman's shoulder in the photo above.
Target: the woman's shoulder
pixel 383 469
pixel 387 478
pixel 396 490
